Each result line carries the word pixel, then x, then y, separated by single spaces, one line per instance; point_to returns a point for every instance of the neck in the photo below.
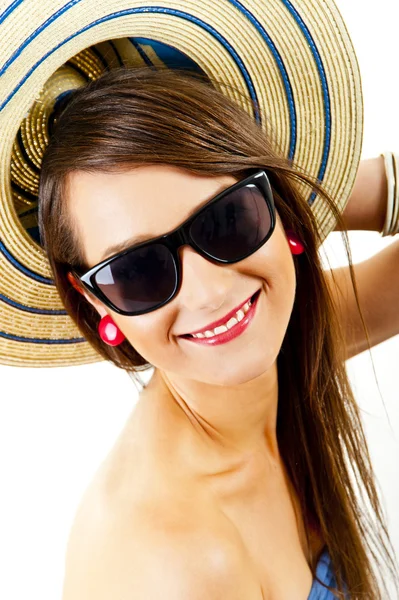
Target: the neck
pixel 238 420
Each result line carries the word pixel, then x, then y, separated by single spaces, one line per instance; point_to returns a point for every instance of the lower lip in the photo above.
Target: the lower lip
pixel 230 334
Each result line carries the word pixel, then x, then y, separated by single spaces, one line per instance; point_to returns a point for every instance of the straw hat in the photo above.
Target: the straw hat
pixel 295 58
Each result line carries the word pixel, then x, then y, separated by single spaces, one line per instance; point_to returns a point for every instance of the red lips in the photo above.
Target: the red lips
pixel 224 319
pixel 229 335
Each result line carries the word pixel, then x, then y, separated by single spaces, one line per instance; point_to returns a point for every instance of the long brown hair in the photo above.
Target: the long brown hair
pixel 133 117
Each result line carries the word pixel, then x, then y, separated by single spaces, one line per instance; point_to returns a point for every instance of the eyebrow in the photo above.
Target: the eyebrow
pixel 121 246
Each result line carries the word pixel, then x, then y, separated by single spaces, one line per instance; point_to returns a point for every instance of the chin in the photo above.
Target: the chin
pixel 240 373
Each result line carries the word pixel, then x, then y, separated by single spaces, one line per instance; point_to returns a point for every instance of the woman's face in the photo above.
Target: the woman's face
pixel 152 200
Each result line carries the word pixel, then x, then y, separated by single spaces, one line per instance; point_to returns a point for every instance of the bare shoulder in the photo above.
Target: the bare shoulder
pixel 146 529
pixel 152 552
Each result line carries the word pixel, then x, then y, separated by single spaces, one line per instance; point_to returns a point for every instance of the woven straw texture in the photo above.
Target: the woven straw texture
pixel 294 58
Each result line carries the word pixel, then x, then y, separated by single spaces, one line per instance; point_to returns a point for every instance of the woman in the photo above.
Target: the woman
pixel 231 477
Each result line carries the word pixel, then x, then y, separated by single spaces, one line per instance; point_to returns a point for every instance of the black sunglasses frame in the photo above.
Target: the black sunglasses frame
pixel 180 236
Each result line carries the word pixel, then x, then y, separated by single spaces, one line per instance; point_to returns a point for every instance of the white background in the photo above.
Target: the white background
pixel 56 425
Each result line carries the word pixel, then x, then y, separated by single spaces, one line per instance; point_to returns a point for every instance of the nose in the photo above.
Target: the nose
pixel 205 284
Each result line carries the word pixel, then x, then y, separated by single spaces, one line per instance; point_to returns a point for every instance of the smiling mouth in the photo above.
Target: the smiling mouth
pixel 228 323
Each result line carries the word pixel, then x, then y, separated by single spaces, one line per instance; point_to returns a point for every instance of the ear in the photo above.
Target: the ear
pixel 98 305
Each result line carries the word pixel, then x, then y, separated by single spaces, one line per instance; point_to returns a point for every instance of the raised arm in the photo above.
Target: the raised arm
pixel 377 278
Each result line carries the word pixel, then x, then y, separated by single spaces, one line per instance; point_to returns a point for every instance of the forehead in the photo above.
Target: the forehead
pixel 146 201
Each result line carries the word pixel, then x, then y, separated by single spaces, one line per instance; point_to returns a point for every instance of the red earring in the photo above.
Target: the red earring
pixel 295 244
pixel 109 332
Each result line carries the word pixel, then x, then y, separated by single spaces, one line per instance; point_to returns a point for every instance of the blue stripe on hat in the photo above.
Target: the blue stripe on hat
pixel 35 33
pixel 22 268
pixel 283 72
pixel 168 54
pixel 125 12
pixel 9 10
pixel 30 309
pixel 323 81
pixel 324 85
pixel 19 338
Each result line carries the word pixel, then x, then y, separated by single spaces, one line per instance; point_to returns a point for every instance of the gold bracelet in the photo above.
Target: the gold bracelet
pixel 391 225
pixel 395 226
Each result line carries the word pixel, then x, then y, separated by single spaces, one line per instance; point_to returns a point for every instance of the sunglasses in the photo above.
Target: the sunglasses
pixel 227 229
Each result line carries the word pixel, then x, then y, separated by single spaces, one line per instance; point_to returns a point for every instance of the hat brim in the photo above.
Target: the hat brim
pixel 299 66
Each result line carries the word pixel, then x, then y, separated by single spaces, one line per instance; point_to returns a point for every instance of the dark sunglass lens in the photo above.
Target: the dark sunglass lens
pixel 139 280
pixel 235 226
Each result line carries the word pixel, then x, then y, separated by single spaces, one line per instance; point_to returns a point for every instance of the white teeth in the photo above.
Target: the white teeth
pixel 222 328
pixel 240 315
pixel 231 323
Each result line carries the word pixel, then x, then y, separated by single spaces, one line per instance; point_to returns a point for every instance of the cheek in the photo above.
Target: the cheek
pixel 274 263
pixel 275 266
pixel 148 334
